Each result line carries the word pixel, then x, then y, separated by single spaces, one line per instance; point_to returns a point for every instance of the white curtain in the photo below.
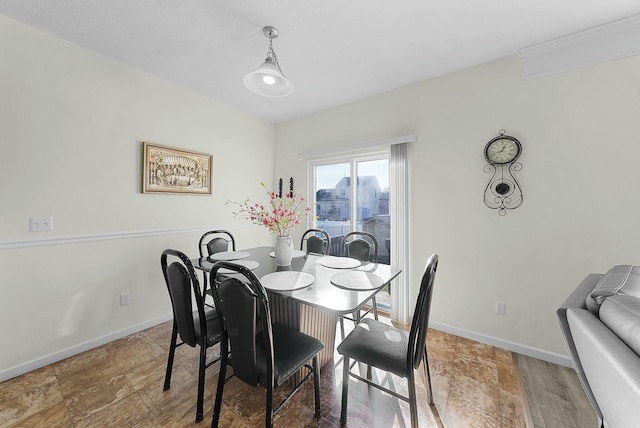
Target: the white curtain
pixel 399 182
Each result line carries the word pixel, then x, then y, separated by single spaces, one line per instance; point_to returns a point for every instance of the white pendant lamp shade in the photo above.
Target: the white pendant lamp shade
pixel 268 79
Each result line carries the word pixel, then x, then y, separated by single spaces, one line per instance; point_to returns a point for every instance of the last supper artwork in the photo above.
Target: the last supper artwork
pixel 172 170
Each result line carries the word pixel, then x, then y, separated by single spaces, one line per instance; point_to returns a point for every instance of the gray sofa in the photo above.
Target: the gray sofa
pixel 600 322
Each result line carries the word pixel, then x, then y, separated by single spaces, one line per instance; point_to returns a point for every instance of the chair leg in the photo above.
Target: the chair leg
pixel 269 408
pixel 204 284
pixel 316 387
pixel 201 369
pixel 375 307
pixel 345 390
pixel 341 326
pixel 357 316
pixel 413 402
pixel 221 381
pixel 427 373
pixel 172 352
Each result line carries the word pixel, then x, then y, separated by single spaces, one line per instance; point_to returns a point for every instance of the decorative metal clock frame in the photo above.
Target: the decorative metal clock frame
pixel 503 191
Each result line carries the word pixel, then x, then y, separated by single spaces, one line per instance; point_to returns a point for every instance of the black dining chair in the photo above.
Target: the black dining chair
pixel 390 349
pixel 196 328
pixel 362 246
pixel 211 242
pixel 215 241
pixel 261 352
pixel 318 241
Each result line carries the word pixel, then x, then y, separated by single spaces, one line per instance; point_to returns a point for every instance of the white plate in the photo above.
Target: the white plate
pixel 357 280
pixel 249 264
pixel 228 255
pixel 340 262
pixel 287 280
pixel 296 253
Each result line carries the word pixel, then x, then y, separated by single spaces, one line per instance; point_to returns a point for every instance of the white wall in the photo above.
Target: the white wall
pixel 71 126
pixel 581 182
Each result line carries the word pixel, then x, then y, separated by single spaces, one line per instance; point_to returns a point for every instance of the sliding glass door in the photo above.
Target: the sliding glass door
pixel 340 207
pixel 372 203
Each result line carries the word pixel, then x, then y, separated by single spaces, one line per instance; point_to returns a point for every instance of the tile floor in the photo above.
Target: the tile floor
pixel 120 384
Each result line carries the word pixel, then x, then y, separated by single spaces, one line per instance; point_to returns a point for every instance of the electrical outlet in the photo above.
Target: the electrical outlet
pixel 501 308
pixel 125 299
pixel 40 224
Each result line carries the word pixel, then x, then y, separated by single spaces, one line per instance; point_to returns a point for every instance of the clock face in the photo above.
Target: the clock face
pixel 502 150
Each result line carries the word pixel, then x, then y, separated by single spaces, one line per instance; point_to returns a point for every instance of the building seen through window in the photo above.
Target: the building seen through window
pixel 335 210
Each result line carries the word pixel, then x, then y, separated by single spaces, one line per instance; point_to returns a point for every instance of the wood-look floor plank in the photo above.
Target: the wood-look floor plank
pixel 554 395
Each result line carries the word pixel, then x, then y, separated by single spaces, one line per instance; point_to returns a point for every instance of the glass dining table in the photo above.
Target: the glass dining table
pixel 336 288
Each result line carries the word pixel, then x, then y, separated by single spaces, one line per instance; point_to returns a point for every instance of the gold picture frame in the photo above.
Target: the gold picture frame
pixel 172 170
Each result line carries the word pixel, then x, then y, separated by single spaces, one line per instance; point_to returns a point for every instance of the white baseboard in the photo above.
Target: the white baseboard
pixel 551 357
pixel 77 349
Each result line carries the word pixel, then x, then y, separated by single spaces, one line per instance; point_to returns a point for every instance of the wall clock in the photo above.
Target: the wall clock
pixel 503 191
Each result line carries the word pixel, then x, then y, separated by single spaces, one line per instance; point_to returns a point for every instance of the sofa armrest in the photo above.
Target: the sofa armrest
pixel 577 299
pixel 611 369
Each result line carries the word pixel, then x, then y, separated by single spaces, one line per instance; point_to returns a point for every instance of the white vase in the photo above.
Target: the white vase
pixel 284 250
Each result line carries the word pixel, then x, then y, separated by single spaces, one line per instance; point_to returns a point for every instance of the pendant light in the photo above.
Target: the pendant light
pixel 268 80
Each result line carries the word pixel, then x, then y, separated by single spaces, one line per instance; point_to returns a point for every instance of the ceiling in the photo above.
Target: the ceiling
pixel 333 51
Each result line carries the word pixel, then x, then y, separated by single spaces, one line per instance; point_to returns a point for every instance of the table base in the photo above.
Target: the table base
pixel 307 319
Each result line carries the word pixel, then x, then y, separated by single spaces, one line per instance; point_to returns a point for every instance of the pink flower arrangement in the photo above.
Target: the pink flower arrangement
pixel 280 215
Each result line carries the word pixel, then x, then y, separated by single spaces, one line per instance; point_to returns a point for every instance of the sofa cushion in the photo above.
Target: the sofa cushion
pixel 622 315
pixel 619 280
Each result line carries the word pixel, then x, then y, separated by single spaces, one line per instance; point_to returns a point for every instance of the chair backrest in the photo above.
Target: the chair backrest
pixel 243 308
pixel 184 290
pixel 316 244
pixel 210 244
pixel 420 323
pixel 359 245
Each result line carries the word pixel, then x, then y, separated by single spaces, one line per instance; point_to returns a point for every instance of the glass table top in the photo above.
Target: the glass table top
pixel 322 293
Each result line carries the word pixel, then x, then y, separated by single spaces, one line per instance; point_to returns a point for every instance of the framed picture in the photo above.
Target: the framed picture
pixel 171 170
